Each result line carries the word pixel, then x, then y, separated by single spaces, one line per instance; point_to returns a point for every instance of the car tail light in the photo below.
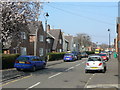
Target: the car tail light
pixel 27 62
pixel 100 64
pixel 71 56
pixel 87 64
pixel 16 61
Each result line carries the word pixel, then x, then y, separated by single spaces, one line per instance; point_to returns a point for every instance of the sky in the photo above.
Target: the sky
pixel 92 18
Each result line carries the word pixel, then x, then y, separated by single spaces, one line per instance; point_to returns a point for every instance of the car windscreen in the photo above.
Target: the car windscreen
pixel 94 59
pixel 23 58
pixel 102 54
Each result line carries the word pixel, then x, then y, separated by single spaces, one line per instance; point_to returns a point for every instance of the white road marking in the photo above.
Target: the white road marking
pixel 89 80
pixel 33 85
pixel 69 68
pixel 77 65
pixel 54 75
pixel 103 85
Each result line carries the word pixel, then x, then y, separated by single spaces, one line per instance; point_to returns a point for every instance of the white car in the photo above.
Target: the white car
pixel 95 63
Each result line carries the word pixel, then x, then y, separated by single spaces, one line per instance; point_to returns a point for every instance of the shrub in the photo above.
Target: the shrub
pixel 55 56
pixel 8 60
pixel 90 52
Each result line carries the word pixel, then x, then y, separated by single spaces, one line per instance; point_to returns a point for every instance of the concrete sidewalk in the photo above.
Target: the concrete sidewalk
pixel 8 74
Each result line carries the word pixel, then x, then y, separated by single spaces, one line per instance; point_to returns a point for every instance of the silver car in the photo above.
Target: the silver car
pixel 95 63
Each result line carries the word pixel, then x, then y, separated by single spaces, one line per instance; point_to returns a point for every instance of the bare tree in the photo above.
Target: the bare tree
pixel 104 46
pixel 84 39
pixel 15 17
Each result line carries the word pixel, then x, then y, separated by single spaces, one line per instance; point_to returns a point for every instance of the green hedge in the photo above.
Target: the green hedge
pixel 8 60
pixel 90 52
pixel 55 56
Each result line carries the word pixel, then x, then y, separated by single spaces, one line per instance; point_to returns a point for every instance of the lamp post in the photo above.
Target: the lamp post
pixel 74 45
pixel 46 16
pixel 109 44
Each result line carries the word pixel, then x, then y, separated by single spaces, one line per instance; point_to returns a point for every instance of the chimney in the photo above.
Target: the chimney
pixel 48 28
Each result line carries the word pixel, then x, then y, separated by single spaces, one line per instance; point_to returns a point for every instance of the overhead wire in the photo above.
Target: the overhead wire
pixel 72 5
pixel 76 14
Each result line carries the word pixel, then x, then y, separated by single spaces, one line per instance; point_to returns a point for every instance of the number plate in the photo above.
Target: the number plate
pixel 67 58
pixel 94 67
pixel 21 62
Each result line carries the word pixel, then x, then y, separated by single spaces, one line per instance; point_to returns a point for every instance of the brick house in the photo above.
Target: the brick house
pixel 18 44
pixel 27 45
pixel 65 43
pixel 49 42
pixel 70 39
pixel 58 41
pixel 37 46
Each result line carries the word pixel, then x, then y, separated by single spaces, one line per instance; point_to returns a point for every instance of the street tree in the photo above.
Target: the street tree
pixel 15 17
pixel 104 46
pixel 84 39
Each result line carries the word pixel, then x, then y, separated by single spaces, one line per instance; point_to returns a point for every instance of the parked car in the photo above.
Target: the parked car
pixel 29 63
pixel 95 63
pixel 104 56
pixel 84 55
pixel 69 57
pixel 77 54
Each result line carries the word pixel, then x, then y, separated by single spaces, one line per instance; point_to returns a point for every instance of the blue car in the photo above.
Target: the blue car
pixel 69 57
pixel 29 63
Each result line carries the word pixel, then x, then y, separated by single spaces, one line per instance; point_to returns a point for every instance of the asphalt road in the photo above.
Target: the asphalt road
pixel 68 75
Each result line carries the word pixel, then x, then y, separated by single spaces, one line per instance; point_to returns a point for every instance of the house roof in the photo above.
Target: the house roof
pixel 55 33
pixel 69 38
pixel 33 26
pixel 49 35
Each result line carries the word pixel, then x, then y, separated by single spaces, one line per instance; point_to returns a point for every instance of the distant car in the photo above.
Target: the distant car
pixel 77 54
pixel 104 56
pixel 29 63
pixel 69 57
pixel 84 55
pixel 95 63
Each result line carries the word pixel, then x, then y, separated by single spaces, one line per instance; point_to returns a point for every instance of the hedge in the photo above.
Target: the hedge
pixel 90 52
pixel 55 56
pixel 8 60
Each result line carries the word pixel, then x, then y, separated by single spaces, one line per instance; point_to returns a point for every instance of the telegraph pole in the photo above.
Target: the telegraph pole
pixel 109 44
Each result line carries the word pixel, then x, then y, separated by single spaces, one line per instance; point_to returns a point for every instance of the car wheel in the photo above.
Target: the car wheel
pixel 103 71
pixel 33 69
pixel 86 71
pixel 44 66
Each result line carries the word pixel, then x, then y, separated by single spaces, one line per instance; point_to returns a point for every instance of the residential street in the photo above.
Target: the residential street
pixel 68 75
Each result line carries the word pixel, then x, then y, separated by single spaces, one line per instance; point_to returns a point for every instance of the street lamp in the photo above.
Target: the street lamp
pixel 46 16
pixel 109 43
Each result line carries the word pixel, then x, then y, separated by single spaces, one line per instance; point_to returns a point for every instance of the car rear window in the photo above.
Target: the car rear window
pixel 94 59
pixel 102 54
pixel 68 55
pixel 23 58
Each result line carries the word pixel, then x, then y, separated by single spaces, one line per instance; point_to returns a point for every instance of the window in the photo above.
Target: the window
pixel 36 59
pixel 23 35
pixel 41 51
pixel 23 51
pixel 60 41
pixel 41 38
